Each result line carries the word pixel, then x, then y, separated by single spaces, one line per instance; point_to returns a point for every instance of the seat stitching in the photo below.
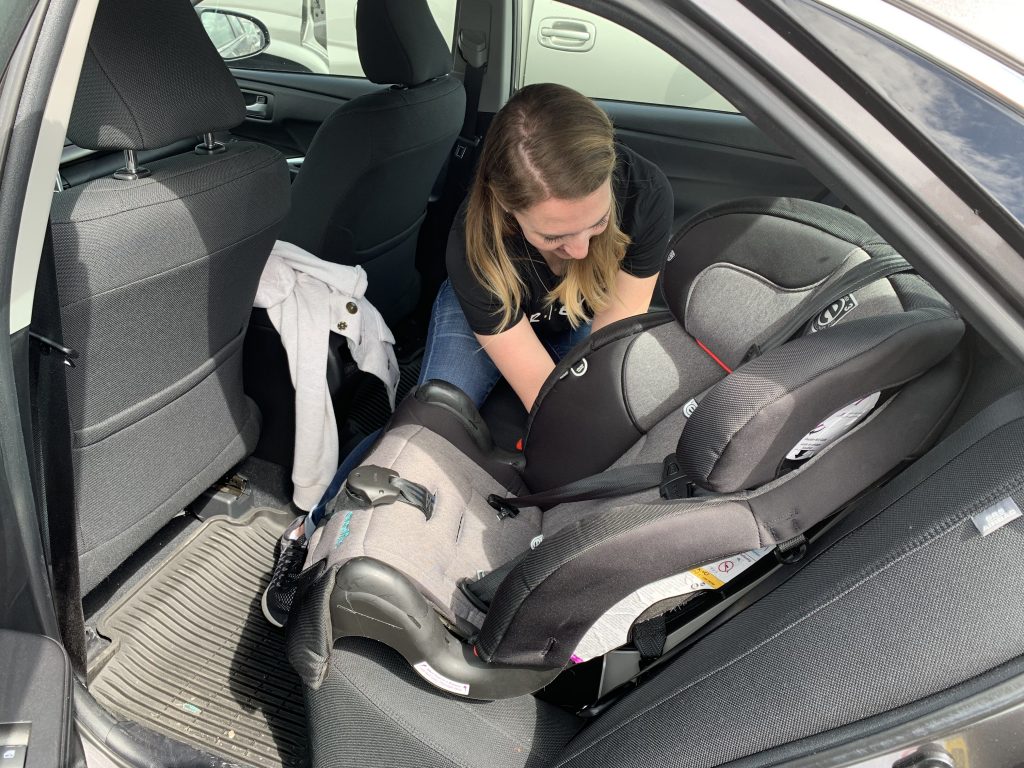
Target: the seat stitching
pixel 175 268
pixel 204 190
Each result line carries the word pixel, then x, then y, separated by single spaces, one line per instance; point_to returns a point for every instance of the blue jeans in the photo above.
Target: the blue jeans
pixel 454 355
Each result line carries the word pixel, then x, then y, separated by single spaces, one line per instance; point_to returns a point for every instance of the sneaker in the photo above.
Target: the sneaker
pixel 295 530
pixel 279 596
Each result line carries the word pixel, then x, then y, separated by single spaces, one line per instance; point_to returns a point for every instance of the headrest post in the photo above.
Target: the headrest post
pixel 131 170
pixel 209 146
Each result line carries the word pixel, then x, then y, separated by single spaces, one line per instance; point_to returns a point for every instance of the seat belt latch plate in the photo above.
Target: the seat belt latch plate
pixel 372 485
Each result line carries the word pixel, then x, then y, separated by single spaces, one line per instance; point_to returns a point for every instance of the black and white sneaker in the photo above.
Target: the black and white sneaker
pixel 285 582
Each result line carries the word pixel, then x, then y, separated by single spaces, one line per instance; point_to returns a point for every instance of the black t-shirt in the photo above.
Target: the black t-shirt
pixel 645 203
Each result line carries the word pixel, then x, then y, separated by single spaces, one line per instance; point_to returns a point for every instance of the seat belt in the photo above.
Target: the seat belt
pixel 473 50
pixel 472 47
pixel 619 481
pixel 622 481
pixel 456 177
pixel 824 296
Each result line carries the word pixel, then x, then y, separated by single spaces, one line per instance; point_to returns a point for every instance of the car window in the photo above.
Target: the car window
pixel 317 36
pixel 605 61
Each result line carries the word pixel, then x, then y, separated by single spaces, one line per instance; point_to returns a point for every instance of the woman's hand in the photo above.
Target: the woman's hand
pixel 632 296
pixel 521 358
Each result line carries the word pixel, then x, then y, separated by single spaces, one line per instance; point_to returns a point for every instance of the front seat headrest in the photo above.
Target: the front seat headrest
pixel 399 42
pixel 151 77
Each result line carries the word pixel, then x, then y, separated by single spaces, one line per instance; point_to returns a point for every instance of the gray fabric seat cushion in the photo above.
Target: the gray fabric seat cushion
pixel 373 710
pixel 463 537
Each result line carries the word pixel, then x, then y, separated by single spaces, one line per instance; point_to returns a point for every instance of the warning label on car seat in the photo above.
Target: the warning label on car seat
pixel 438 680
pixel 612 629
pixel 832 428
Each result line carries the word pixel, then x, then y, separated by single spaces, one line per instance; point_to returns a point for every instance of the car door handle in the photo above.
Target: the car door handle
pixel 567 34
pixel 258 106
pixel 259 111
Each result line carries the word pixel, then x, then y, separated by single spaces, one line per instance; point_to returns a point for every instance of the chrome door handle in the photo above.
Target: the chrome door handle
pixel 567 34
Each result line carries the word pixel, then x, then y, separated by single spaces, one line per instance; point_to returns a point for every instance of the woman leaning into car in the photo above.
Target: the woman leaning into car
pixel 564 232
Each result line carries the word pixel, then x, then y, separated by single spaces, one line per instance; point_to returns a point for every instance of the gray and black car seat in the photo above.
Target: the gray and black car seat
pixel 362 193
pixel 756 441
pixel 156 269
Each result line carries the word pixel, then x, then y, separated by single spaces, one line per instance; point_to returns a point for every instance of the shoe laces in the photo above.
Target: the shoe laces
pixel 289 563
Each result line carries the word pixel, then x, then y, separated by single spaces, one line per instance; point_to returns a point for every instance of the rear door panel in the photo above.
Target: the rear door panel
pixel 661 109
pixel 708 156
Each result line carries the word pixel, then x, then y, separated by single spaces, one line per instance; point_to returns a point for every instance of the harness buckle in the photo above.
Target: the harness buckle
pixel 373 486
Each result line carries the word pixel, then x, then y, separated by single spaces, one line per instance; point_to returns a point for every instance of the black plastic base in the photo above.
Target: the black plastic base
pixel 371 599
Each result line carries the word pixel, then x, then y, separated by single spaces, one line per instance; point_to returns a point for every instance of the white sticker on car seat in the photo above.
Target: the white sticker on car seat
pixel 994 517
pixel 833 313
pixel 689 407
pixel 438 680
pixel 832 428
pixel 612 629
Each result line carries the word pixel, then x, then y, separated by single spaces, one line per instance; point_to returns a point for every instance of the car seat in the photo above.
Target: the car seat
pixel 732 386
pixel 156 270
pixel 362 193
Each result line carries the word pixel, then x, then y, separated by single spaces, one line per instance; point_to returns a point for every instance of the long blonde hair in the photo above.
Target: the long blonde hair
pixel 548 141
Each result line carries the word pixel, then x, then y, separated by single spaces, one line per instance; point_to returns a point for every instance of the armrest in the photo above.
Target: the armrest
pixel 35 709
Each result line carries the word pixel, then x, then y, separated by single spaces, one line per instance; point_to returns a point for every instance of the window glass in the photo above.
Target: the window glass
pixel 979 134
pixel 606 61
pixel 316 36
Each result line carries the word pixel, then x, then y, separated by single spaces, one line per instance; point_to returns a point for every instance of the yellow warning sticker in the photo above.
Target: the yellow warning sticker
pixel 707 577
pixel 716 574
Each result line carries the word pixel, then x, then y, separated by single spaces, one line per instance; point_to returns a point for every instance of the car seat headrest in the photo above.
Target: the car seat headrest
pixel 399 42
pixel 738 267
pixel 747 424
pixel 151 76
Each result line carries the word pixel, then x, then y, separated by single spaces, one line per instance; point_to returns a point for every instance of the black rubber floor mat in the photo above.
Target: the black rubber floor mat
pixel 370 407
pixel 193 657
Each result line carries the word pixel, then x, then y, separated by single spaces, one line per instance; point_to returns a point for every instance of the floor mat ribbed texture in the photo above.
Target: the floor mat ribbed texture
pixel 193 657
pixel 370 407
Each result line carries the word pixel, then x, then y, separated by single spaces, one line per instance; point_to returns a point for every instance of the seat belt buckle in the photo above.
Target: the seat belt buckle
pixel 464 146
pixel 674 484
pixel 503 508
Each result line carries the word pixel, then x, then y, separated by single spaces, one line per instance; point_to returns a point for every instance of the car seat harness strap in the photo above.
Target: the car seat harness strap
pixel 821 299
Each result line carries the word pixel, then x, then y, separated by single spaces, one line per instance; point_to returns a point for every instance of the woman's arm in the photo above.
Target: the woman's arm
pixel 521 358
pixel 632 297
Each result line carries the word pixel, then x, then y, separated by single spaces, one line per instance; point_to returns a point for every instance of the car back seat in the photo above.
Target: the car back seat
pixel 902 608
pixel 580 574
